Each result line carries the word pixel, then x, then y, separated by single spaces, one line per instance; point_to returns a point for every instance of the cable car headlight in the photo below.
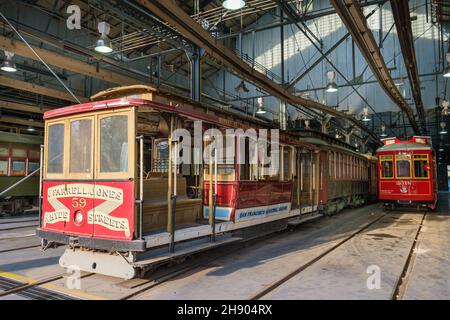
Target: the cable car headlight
pixel 78 218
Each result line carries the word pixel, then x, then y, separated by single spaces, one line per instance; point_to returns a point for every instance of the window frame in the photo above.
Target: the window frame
pixel 36 158
pixel 17 158
pixel 96 115
pixel 9 152
pixel 80 175
pixel 28 166
pixel 335 165
pixel 131 173
pixel 63 174
pixel 7 158
pixel 156 141
pixel 381 166
pixel 33 159
pixel 11 172
pixel 230 177
pixel 421 159
pixel 396 174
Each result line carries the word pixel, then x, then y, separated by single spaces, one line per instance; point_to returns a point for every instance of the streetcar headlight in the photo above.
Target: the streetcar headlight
pixel 78 217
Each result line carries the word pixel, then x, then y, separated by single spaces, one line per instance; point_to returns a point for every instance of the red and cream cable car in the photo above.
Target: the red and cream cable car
pixel 407 173
pixel 112 192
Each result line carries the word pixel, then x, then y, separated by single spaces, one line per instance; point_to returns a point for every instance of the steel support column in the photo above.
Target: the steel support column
pixel 195 55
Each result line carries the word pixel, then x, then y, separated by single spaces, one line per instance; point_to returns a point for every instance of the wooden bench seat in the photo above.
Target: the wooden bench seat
pixel 155 203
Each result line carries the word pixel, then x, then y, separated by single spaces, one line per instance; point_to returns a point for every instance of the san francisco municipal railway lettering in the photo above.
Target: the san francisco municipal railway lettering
pixel 97 215
pixel 246 214
pixel 261 212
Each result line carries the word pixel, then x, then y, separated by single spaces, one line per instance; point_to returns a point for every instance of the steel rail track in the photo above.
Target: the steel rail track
pixel 32 290
pixel 27 220
pixel 202 262
pixel 151 283
pixel 19 227
pixel 20 248
pixel 33 293
pixel 304 266
pixel 402 282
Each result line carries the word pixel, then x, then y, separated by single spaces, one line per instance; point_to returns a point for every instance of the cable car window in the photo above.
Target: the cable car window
pixel 161 158
pixel 226 169
pixel 18 168
pixel 335 164
pixel 286 162
pixel 387 170
pixel 55 156
pixel 33 154
pixel 330 164
pixel 80 146
pixel 19 153
pixel 3 167
pixel 244 166
pixel 114 144
pixel 32 166
pixel 4 152
pixel 403 166
pixel 420 166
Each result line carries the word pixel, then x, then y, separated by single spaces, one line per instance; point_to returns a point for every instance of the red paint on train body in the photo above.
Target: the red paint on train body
pixel 90 209
pixel 249 194
pixel 407 172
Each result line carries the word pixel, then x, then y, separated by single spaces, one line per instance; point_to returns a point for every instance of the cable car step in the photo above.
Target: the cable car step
pixel 303 218
pixel 185 249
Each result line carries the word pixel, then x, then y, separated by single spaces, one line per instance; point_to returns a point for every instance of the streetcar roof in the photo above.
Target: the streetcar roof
pixel 181 109
pixel 405 146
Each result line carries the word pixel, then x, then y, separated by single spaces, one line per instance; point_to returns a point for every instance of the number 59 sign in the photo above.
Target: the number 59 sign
pixel 78 203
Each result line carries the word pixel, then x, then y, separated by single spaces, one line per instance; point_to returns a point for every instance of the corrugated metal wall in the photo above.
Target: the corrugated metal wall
pixel 299 54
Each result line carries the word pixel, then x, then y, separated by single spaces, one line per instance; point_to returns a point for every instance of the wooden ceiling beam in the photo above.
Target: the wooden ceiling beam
pixel 34 88
pixel 22 107
pixel 20 121
pixel 65 62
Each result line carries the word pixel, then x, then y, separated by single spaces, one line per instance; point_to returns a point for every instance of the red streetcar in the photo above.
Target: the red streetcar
pixel 407 173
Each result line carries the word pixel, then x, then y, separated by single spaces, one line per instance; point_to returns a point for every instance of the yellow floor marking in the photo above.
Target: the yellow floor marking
pixel 16 277
pixel 53 287
pixel 74 292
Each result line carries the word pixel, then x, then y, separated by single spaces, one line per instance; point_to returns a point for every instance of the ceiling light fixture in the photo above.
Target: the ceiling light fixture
pixel 307 122
pixel 445 110
pixel 383 131
pixel 233 4
pixel 260 102
pixel 103 44
pixel 30 128
pixel 443 129
pixel 331 85
pixel 366 117
pixel 8 64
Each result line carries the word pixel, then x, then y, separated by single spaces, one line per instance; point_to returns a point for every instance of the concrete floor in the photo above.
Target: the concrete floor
pixel 342 274
pixel 430 272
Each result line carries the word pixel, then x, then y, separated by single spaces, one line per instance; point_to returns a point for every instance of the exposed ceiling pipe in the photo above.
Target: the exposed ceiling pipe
pixel 352 16
pixel 400 10
pixel 175 16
